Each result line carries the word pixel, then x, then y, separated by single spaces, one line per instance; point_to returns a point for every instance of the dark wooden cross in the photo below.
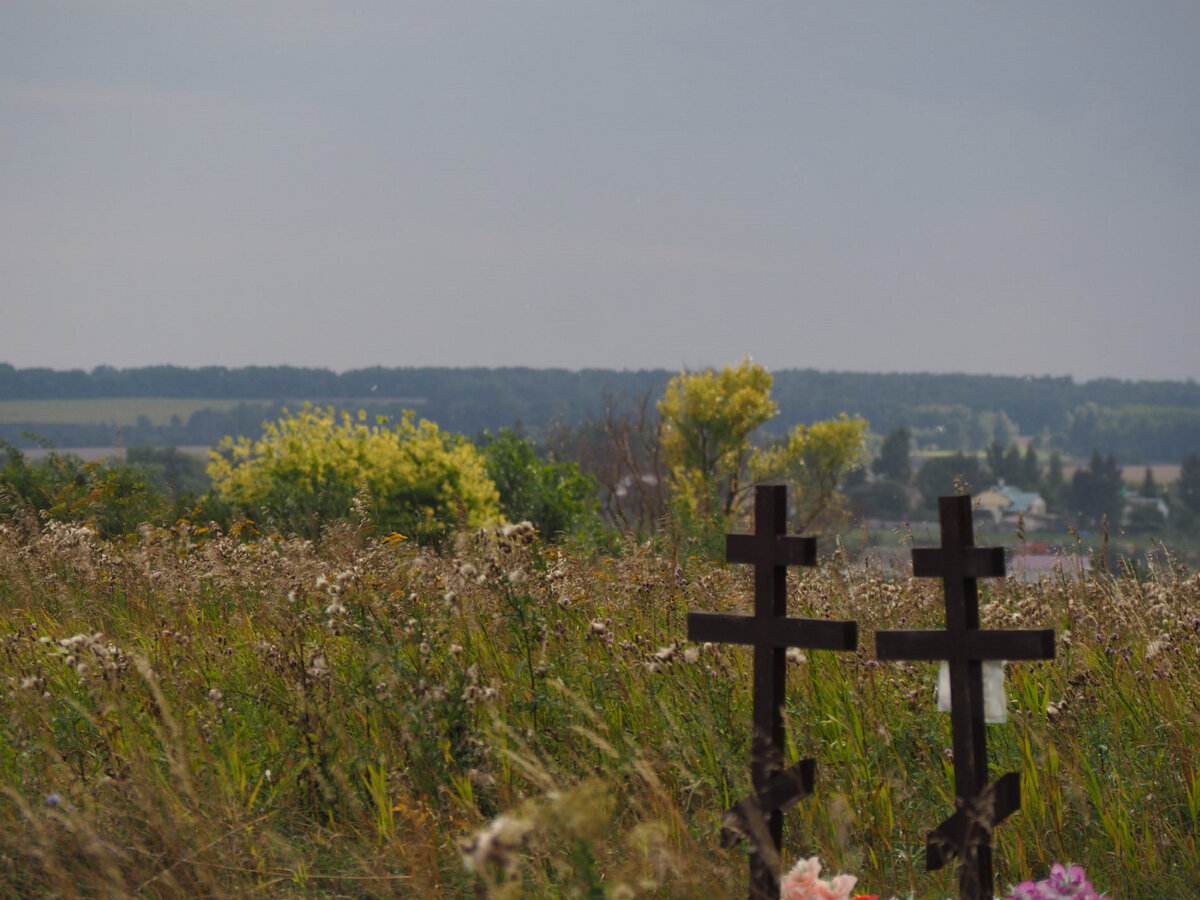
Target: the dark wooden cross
pixel 980 806
pixel 770 550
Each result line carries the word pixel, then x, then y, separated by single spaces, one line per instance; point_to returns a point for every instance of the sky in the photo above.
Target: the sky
pixel 1006 188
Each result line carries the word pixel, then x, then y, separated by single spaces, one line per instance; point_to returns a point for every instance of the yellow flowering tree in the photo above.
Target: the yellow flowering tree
pixel 316 466
pixel 813 460
pixel 707 420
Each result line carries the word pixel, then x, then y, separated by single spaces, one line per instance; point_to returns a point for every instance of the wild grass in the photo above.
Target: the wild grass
pixel 198 714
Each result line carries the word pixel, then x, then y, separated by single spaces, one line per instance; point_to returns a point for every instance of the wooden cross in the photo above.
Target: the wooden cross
pixel 770 550
pixel 980 806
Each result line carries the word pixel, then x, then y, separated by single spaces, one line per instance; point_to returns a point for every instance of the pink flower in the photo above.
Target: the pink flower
pixel 1068 883
pixel 1064 883
pixel 804 883
pixel 799 883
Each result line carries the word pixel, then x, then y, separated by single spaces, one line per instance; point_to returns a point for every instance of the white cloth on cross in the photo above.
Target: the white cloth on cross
pixel 995 703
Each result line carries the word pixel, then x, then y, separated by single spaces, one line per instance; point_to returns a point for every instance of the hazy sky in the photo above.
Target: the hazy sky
pixel 1004 187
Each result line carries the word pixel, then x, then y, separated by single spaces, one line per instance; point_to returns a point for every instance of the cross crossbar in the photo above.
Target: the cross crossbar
pixel 773 631
pixel 961 562
pixel 1008 644
pixel 784 550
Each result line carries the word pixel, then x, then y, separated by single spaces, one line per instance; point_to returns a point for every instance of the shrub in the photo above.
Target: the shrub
pixel 111 498
pixel 556 497
pixel 313 467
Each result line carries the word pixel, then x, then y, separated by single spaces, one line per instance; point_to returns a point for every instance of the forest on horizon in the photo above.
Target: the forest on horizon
pixel 1138 421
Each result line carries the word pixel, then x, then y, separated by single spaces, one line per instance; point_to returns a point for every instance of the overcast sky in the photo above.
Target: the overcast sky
pixel 990 187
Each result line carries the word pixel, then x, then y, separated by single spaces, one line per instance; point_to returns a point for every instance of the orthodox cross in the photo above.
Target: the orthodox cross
pixel 770 550
pixel 964 646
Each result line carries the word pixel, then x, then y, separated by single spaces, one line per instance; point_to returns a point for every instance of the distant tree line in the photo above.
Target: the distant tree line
pixel 1142 421
pixel 467 401
pixel 895 486
pixel 680 458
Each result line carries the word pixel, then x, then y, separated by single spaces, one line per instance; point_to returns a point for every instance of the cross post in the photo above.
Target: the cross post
pixel 964 646
pixel 770 550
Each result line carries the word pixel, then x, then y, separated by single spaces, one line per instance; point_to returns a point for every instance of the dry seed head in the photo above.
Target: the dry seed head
pixel 666 654
pixel 497 845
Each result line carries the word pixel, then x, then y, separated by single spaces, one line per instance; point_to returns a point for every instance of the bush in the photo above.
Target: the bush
pixel 169 470
pixel 556 497
pixel 110 498
pixel 314 467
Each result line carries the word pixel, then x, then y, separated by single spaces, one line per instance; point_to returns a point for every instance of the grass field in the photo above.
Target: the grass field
pixel 158 410
pixel 109 411
pixel 196 714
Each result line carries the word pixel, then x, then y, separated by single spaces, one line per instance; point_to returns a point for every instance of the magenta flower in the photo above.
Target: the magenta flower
pixel 1065 883
pixel 1069 881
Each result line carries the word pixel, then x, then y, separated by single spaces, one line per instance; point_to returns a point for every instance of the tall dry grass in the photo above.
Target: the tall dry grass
pixel 199 714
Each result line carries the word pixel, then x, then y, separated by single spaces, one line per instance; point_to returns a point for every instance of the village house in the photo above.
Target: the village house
pixel 1005 503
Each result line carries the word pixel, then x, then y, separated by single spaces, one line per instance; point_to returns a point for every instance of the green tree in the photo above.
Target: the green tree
pixel 707 420
pixel 1003 429
pixel 1096 491
pixel 313 467
pixel 1053 485
pixel 943 475
pixel 1149 486
pixel 894 462
pixel 881 499
pixel 1031 469
pixel 554 496
pixel 1007 464
pixel 1188 487
pixel 814 460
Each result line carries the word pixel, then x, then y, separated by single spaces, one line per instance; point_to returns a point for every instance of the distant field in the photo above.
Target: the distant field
pixel 1164 473
pixel 109 411
pixel 96 454
pixel 159 410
